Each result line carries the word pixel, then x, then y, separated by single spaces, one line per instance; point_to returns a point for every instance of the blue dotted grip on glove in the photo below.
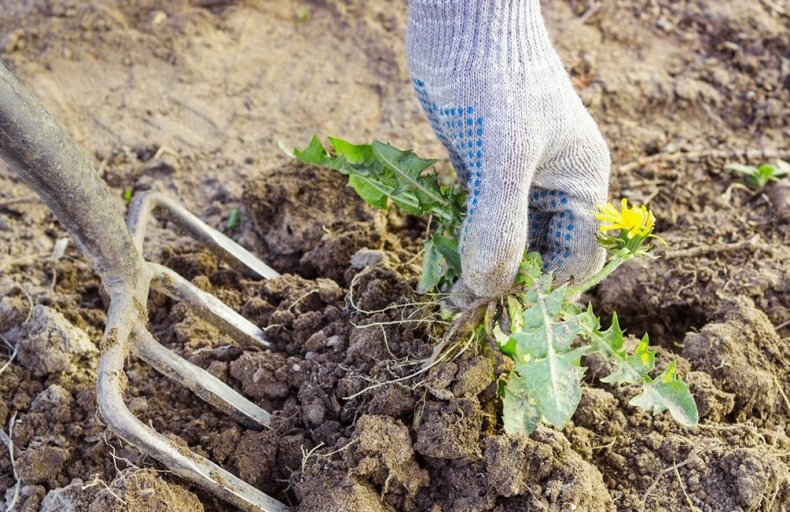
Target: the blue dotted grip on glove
pixel 551 225
pixel 462 133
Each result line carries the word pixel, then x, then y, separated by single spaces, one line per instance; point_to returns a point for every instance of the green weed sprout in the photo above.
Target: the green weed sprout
pixel 548 334
pixel 233 219
pixel 758 177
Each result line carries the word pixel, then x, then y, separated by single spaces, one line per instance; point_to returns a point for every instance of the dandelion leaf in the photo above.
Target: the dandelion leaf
pixel 519 414
pixel 314 153
pixel 667 392
pixel 372 192
pixel 554 382
pixel 549 369
pixel 431 267
pixel 448 247
pixel 382 174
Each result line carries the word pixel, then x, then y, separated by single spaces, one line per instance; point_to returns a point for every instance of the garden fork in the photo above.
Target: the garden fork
pixel 50 162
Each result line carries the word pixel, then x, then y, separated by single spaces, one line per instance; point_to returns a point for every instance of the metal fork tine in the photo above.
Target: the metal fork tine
pixel 211 308
pixel 201 382
pixel 226 249
pixel 177 458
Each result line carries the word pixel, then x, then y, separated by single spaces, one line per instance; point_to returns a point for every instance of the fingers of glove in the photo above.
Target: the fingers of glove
pixel 565 193
pixel 493 236
pixel 563 229
pixel 460 298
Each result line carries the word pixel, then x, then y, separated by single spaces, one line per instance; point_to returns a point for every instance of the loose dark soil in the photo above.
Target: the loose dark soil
pixel 191 98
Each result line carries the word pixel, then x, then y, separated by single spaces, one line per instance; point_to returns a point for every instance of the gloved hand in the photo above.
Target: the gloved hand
pixel 532 158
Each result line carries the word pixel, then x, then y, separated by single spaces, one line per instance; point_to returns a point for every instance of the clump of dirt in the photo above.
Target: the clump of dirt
pixel 49 344
pixel 144 491
pixel 543 471
pixel 298 219
pixel 744 356
pixel 133 490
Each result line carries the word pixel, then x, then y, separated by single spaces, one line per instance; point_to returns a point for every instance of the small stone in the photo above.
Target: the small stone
pixel 367 258
pixel 315 342
pixel 313 413
pixel 335 342
pixel 158 18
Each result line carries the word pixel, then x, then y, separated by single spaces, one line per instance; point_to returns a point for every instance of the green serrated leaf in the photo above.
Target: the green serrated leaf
pixel 408 201
pixel 609 342
pixel 507 345
pixel 540 332
pixel 380 174
pixel 431 268
pixel 550 370
pixel 314 153
pixel 530 270
pixel 667 392
pixel 634 368
pixel 570 309
pixel 554 382
pixel 519 414
pixel 448 247
pixel 353 153
pixel 371 191
pixel 629 368
pixel 407 168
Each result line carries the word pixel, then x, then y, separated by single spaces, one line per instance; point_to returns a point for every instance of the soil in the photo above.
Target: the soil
pixel 192 97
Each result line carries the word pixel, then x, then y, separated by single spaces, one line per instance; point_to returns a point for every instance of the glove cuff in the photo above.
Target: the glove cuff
pixel 447 36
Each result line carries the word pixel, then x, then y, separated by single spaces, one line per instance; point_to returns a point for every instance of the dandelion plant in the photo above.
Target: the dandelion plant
pixel 547 335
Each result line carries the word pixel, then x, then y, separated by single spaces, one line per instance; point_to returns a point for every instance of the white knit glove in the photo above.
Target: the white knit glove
pixel 532 158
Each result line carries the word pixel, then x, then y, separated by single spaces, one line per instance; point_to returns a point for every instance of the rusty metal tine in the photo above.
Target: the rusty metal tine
pixel 201 382
pixel 147 203
pixel 211 308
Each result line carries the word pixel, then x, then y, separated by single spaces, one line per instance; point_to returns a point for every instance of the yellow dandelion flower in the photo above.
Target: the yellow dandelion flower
pixel 633 224
pixel 635 221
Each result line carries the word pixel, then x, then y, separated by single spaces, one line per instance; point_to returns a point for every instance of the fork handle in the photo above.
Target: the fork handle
pixel 52 164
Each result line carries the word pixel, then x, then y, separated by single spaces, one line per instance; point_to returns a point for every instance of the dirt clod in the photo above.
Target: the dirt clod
pixel 741 351
pixel 449 430
pixel 138 490
pixel 50 344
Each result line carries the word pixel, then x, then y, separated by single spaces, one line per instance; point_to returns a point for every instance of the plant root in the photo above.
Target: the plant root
pixel 462 327
pixel 746 154
pixel 752 244
pixel 7 440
